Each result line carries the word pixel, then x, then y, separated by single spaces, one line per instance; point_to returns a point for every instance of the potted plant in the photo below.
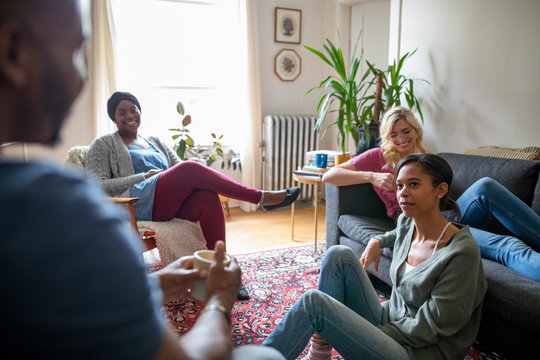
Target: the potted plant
pixel 350 95
pixel 359 107
pixel 186 148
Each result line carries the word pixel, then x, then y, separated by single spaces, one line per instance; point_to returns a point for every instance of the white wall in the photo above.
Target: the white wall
pixel 370 21
pixel 482 58
pixel 287 97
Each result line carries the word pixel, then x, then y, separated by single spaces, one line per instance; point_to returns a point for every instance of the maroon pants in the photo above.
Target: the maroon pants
pixel 190 191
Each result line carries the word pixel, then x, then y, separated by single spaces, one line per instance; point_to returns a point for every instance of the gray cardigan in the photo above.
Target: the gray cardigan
pixel 108 158
pixel 434 309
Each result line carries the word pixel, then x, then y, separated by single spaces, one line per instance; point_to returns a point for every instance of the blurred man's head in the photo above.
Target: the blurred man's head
pixel 40 75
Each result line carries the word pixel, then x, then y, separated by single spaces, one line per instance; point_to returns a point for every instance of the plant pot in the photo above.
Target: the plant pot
pixel 340 159
pixel 374 140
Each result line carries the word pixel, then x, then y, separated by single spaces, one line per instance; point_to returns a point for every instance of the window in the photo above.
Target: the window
pixel 191 51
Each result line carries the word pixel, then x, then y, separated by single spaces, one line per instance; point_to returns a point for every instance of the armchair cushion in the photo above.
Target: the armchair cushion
pixel 187 236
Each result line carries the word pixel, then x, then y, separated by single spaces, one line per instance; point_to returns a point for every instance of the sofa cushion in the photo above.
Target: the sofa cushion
pixel 518 176
pixel 525 153
pixel 512 296
pixel 363 228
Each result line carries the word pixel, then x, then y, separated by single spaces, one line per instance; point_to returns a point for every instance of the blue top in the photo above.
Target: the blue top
pixel 144 160
pixel 72 271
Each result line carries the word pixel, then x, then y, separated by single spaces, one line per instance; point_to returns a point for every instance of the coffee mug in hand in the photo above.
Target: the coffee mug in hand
pixel 203 260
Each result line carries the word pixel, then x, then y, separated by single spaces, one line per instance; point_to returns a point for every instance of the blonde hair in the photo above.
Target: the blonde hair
pixel 390 154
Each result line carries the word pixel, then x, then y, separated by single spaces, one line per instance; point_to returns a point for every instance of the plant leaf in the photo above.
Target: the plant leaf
pixel 187 120
pixel 180 108
pixel 181 150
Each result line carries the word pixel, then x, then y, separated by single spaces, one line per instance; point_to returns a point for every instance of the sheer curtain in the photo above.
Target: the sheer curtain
pixel 251 151
pixel 102 65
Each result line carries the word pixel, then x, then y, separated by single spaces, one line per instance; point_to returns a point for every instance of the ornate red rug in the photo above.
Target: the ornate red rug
pixel 275 279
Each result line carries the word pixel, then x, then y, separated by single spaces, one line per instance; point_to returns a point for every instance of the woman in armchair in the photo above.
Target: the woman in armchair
pixel 130 165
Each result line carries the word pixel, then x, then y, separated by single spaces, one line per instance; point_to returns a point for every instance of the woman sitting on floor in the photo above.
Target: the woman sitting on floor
pixel 437 276
pixel 401 135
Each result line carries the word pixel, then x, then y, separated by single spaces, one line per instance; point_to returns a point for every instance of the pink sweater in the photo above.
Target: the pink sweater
pixel 372 160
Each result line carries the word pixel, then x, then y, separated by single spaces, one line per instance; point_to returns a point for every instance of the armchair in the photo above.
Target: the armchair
pixel 173 238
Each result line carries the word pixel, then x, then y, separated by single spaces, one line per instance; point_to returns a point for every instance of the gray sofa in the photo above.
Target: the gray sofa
pixel 511 314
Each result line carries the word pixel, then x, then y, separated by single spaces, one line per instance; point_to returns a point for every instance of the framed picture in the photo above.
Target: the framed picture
pixel 288 25
pixel 287 65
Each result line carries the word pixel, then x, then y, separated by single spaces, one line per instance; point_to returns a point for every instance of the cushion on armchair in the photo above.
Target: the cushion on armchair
pixel 175 238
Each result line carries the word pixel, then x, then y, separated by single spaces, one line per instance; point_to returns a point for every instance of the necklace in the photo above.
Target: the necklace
pixel 440 237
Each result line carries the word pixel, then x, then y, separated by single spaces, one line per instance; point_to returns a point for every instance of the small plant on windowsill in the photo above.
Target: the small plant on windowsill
pixel 187 149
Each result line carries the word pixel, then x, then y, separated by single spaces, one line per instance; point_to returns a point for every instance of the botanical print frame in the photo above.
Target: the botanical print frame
pixel 287 65
pixel 288 25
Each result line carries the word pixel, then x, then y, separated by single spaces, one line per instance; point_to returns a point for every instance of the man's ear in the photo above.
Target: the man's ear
pixel 14 54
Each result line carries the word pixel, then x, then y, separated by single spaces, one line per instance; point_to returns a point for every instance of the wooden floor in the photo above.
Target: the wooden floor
pixel 258 230
pixel 255 231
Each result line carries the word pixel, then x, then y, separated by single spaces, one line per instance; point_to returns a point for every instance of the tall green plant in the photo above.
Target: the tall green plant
pixel 343 88
pixel 397 86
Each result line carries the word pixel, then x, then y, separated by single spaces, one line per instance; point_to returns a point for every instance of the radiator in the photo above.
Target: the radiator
pixel 286 139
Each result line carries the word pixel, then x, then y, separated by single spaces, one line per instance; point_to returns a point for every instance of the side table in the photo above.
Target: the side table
pixel 308 180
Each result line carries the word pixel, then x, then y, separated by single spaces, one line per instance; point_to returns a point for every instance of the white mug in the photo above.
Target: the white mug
pixel 203 260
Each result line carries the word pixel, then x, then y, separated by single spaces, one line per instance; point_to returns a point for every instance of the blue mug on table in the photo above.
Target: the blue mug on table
pixel 321 160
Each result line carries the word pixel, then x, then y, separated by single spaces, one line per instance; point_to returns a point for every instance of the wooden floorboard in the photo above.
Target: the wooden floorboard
pixel 256 231
pixel 259 230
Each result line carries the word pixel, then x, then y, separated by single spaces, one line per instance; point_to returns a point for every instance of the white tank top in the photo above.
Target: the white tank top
pixel 406 267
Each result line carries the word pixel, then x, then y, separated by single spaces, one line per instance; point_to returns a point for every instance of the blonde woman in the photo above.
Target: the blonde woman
pixel 401 135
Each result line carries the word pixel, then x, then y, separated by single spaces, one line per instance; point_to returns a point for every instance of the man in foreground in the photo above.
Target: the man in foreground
pixel 74 284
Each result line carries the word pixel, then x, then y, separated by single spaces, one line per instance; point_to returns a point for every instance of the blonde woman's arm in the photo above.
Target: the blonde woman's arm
pixel 346 174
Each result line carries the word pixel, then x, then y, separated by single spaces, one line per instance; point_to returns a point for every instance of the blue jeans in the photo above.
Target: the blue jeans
pixel 344 311
pixel 485 197
pixel 255 352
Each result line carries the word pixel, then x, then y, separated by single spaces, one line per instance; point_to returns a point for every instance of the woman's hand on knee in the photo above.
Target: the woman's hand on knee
pixel 152 172
pixel 371 254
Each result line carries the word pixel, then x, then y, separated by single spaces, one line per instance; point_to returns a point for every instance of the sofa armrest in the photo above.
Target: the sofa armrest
pixel 354 200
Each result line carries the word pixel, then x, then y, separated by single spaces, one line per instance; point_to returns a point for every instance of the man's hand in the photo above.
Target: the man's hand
pixel 385 181
pixel 372 253
pixel 177 277
pixel 223 283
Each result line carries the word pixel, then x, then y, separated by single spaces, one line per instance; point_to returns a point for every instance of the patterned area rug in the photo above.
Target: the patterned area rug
pixel 275 280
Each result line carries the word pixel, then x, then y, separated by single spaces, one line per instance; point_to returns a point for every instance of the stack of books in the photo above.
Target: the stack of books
pixel 310 171
pixel 331 157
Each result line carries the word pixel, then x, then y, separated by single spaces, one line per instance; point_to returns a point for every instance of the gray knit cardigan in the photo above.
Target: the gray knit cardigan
pixel 434 310
pixel 108 158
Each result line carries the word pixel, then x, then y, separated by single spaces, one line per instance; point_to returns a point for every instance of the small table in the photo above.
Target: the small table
pixel 308 180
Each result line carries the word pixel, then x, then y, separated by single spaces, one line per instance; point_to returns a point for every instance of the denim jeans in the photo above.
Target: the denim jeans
pixel 486 196
pixel 255 352
pixel 344 311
